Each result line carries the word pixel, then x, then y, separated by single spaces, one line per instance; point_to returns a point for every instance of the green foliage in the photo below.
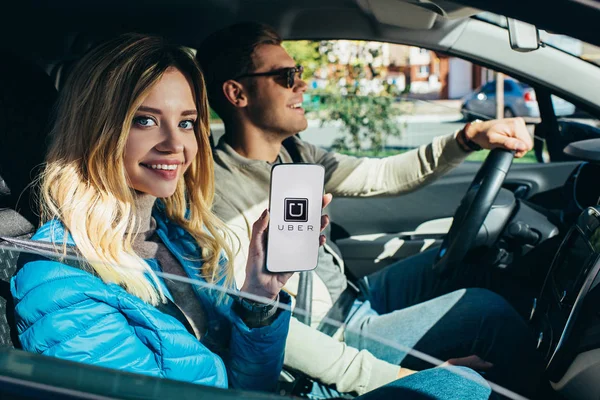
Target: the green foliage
pixel 367 118
pixel 307 54
pixel 477 156
pixel 480 156
pixel 213 116
pixel 367 121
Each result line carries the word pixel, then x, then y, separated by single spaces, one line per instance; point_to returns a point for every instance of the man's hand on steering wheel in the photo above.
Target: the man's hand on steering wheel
pixel 506 138
pixel 507 133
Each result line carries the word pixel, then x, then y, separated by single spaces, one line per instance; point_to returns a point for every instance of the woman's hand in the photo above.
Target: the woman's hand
pixel 259 281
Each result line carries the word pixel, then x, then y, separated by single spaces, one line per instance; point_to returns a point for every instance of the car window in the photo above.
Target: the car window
pixel 567 111
pixel 36 369
pixel 489 88
pixel 509 86
pixel 564 43
pixel 376 99
pixel 573 124
pixel 523 86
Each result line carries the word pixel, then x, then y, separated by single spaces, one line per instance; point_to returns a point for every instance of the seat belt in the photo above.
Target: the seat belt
pixel 342 307
pixel 40 248
pixel 211 140
pixel 303 309
pixel 290 145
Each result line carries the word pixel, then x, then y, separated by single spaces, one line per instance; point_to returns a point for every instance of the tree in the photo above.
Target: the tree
pixel 307 54
pixel 346 72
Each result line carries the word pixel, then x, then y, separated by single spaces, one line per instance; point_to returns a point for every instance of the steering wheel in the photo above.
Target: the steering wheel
pixel 473 210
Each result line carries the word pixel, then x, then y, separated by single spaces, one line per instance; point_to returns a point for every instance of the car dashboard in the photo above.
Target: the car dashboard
pixel 565 316
pixel 581 190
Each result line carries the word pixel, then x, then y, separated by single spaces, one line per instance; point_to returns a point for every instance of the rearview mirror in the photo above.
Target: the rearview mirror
pixel 523 37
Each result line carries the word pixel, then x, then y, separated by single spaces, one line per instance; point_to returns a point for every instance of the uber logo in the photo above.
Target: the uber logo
pixel 296 210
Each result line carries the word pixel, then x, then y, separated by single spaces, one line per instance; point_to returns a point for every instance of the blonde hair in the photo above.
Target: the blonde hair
pixel 84 184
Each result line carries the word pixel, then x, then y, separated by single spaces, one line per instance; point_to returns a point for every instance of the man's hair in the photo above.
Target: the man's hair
pixel 227 53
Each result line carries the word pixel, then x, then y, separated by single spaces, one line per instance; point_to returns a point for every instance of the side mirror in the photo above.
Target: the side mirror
pixel 523 37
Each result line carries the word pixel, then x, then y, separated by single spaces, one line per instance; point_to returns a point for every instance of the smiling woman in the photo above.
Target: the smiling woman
pixel 148 138
pixel 161 142
pixel 109 146
pixel 59 32
pixel 131 127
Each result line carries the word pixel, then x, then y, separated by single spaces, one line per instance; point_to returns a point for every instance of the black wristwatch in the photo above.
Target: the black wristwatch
pixel 254 313
pixel 463 140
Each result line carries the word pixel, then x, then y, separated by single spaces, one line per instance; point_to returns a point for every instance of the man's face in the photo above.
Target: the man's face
pixel 272 106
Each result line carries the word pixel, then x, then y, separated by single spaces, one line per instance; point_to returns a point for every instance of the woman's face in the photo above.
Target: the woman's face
pixel 162 142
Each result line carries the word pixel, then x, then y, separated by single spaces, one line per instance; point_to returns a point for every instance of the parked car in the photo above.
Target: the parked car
pixel 519 101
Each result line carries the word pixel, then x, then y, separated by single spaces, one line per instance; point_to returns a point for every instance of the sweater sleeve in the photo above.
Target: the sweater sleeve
pixel 239 223
pixel 68 313
pixel 401 173
pixel 332 362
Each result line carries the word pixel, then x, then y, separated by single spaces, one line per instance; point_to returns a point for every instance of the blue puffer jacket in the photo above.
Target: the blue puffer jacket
pixel 65 312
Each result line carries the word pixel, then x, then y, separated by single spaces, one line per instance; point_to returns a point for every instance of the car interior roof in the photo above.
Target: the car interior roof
pixel 35 22
pixel 58 33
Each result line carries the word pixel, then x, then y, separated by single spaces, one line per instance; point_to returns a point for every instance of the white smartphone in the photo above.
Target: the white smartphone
pixel 295 206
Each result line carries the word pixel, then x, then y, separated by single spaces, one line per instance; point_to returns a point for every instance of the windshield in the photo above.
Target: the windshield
pixel 567 44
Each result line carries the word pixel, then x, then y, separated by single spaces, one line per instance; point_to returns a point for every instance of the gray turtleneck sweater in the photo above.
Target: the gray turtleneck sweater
pixel 147 244
pixel 242 193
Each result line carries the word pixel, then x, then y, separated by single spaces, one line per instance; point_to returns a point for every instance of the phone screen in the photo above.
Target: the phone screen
pixel 295 204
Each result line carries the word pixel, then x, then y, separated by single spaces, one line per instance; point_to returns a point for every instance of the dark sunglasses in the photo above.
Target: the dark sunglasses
pixel 288 73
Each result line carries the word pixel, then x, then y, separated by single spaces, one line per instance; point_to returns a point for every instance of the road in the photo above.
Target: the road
pixel 418 130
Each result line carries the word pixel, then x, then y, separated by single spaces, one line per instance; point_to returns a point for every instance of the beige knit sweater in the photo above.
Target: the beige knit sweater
pixel 242 191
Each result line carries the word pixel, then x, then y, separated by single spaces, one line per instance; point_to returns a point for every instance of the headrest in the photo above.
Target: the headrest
pixel 27 97
pixel 13 223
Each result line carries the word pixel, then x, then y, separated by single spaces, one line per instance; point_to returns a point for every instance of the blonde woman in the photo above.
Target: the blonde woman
pixel 128 183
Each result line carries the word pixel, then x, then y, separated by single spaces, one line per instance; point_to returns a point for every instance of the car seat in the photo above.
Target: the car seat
pixel 27 96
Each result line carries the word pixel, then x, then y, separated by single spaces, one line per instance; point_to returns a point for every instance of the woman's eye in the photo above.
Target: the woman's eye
pixel 144 121
pixel 187 124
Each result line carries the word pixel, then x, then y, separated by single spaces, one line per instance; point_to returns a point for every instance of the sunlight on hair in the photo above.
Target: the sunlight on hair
pixel 84 185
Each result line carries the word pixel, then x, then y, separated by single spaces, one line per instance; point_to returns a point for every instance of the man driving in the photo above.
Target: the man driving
pixel 257 89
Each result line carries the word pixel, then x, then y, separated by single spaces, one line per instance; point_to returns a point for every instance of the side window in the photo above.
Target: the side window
pixel 574 124
pixel 424 70
pixel 377 99
pixel 509 87
pixel 567 111
pixel 489 88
